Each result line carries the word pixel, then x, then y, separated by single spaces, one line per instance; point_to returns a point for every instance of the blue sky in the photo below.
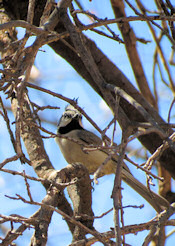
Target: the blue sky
pixel 59 76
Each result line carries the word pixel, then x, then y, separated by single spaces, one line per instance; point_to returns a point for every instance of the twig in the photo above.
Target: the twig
pixel 100 168
pixel 114 36
pixel 170 233
pixel 169 111
pixel 157 153
pixel 47 10
pixel 71 219
pixel 11 236
pixel 30 13
pixel 28 187
pixel 150 236
pixel 7 160
pixel 107 127
pixel 44 181
pixel 5 116
pixel 116 195
pixel 145 170
pixel 38 108
pixel 110 210
pixel 103 214
pixel 17 219
pixel 24 24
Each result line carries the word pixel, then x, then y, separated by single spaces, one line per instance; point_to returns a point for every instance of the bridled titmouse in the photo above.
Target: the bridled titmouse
pixel 72 138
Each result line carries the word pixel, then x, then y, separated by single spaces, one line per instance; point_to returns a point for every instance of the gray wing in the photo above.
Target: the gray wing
pixel 88 138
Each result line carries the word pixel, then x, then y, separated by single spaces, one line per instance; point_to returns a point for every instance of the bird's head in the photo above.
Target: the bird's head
pixel 70 120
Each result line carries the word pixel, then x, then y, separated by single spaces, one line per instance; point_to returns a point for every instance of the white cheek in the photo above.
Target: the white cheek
pixel 66 121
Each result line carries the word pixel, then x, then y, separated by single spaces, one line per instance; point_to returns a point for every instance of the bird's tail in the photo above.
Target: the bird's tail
pixel 156 201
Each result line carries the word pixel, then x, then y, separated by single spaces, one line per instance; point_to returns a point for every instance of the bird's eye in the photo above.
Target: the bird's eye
pixel 67 115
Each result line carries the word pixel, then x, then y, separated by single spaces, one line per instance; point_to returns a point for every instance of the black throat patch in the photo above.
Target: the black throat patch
pixel 73 125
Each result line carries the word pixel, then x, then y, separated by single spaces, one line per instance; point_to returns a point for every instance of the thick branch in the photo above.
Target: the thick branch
pixel 80 194
pixel 130 45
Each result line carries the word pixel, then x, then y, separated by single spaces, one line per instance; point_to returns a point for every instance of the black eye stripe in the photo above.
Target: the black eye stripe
pixel 67 115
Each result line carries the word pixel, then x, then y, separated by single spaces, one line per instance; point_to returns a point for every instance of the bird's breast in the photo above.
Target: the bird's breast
pixel 74 152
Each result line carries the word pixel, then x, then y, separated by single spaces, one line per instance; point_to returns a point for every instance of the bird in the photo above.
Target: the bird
pixel 72 139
